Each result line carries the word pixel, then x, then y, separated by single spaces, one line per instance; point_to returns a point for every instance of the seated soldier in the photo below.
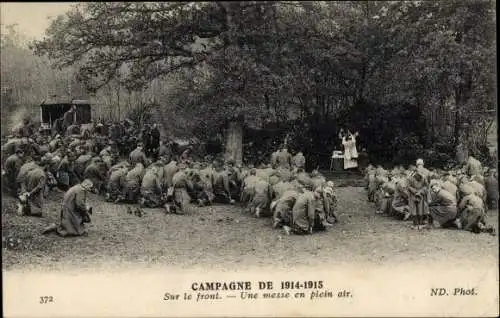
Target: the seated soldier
pixel 384 202
pixel 298 161
pixel 473 167
pixel 133 181
pixel 282 208
pixel 169 170
pixel 116 185
pixel 222 186
pixel 280 188
pixel 307 213
pixel 400 202
pixel 32 192
pixel 73 130
pixel 367 172
pixel 472 215
pixel 450 187
pixel 379 193
pixel 199 192
pixel 491 183
pixel 96 171
pixel 419 196
pixel 443 206
pixel 151 187
pixel 248 187
pixel 261 199
pixel 206 184
pixel 317 179
pixel 81 164
pixel 303 178
pixel 470 186
pixel 12 165
pixel 178 199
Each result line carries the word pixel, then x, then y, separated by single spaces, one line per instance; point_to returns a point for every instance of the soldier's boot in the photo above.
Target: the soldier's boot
pixel 49 229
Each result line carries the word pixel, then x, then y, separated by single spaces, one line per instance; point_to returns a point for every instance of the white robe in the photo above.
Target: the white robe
pixel 350 153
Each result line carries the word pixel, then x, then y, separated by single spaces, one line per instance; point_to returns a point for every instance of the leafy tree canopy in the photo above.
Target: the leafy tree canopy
pixel 273 61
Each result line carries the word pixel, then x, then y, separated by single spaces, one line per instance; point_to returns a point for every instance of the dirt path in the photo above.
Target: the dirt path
pixel 224 237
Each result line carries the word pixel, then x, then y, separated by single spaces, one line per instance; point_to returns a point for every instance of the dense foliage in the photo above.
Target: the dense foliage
pixel 315 63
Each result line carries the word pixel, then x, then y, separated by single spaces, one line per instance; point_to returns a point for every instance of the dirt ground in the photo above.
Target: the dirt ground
pixel 224 237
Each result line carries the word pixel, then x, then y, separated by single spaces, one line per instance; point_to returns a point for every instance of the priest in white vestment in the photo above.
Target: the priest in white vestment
pixel 350 151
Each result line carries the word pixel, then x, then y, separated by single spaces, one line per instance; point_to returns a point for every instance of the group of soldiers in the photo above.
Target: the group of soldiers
pixel 458 198
pixel 156 176
pixel 125 134
pixel 159 178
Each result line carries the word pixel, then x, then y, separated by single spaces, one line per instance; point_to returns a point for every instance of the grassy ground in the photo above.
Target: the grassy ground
pixel 224 237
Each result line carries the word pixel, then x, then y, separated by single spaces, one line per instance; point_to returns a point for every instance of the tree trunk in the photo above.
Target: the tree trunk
pixel 234 141
pixel 463 93
pixel 118 101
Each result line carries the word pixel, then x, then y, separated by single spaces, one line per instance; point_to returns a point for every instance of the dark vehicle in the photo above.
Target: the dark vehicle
pixel 51 110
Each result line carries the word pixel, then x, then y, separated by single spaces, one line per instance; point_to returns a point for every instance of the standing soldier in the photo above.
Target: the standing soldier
pixel 154 141
pixel 57 127
pixel 69 118
pixel 114 132
pixel 274 158
pixel 28 128
pixel 284 158
pixel 138 156
pixel 298 161
pixel 419 197
pixel 145 136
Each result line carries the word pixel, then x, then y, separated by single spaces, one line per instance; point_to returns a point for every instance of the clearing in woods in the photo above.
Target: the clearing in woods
pixel 225 238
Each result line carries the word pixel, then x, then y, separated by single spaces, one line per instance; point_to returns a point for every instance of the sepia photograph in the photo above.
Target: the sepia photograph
pixel 249 158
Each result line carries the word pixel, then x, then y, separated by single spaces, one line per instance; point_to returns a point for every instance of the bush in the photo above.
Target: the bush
pixel 438 159
pixel 483 154
pixel 391 134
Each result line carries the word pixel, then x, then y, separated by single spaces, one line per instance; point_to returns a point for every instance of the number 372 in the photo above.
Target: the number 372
pixel 46 299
